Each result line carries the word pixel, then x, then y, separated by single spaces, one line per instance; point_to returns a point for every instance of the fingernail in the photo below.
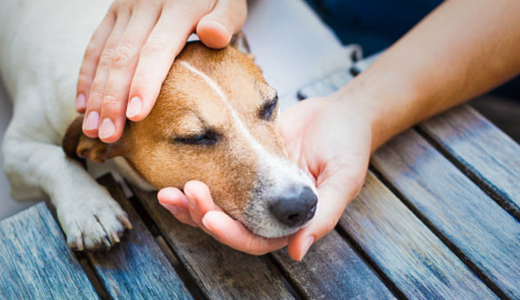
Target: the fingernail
pixel 191 202
pixel 80 101
pixel 221 27
pixel 172 208
pixel 134 107
pixel 306 246
pixel 92 121
pixel 107 128
pixel 204 223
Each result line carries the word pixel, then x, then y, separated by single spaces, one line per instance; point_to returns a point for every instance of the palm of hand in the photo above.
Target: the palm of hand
pixel 333 146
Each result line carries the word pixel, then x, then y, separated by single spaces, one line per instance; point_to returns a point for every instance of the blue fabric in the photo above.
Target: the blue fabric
pixel 374 24
pixel 377 24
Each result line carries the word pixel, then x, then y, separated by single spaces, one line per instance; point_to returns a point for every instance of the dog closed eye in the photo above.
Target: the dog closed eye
pixel 268 109
pixel 207 138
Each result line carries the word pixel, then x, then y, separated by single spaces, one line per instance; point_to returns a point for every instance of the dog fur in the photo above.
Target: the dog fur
pixel 217 91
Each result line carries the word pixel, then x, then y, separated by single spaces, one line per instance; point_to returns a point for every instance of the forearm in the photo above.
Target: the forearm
pixel 463 49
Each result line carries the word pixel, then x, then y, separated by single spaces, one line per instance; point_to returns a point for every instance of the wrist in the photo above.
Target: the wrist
pixel 384 102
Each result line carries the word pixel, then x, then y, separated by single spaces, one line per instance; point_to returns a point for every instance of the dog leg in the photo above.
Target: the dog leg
pixel 90 217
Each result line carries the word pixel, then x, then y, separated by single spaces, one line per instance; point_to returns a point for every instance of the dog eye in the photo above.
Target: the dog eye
pixel 269 108
pixel 207 139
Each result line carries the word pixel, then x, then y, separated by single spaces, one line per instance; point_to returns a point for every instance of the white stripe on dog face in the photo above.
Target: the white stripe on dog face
pixel 216 88
pixel 279 172
pixel 273 168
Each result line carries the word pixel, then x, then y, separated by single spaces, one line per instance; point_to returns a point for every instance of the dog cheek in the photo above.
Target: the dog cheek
pixel 230 173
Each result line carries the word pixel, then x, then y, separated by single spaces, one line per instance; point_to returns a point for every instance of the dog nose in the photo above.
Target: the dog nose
pixel 295 209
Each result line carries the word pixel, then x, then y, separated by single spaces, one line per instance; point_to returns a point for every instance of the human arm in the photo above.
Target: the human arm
pixel 462 49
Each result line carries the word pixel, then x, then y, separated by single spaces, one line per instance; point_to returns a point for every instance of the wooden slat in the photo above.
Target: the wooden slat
pixel 482 150
pixel 136 268
pixel 333 270
pixel 222 273
pixel 410 255
pixel 35 261
pixel 476 225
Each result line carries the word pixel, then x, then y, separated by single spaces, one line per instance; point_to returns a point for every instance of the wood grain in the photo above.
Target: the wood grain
pixel 410 255
pixel 333 270
pixel 482 151
pixel 136 268
pixel 221 272
pixel 35 261
pixel 469 219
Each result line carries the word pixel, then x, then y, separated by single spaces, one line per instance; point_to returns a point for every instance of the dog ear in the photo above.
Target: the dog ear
pixel 79 146
pixel 239 42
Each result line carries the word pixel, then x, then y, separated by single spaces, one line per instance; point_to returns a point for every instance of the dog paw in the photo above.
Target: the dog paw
pixel 93 225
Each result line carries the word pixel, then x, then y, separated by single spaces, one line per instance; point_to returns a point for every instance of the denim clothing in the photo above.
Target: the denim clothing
pixel 377 24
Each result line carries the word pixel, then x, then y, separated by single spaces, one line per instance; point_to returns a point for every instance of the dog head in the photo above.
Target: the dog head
pixel 216 121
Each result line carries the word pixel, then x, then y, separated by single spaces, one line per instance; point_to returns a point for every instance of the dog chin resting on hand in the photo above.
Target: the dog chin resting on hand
pixel 215 120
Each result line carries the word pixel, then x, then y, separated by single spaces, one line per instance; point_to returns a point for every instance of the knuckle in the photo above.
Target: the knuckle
pixel 252 246
pixel 122 55
pixel 111 98
pixel 96 91
pixel 154 44
pixel 106 57
pixel 140 77
pixel 155 6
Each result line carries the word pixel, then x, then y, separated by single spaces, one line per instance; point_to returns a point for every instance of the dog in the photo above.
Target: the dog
pixel 215 120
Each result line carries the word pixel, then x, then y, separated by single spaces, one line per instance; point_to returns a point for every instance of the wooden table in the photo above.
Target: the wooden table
pixel 438 218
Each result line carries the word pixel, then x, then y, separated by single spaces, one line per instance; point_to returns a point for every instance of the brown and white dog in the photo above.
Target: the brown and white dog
pixel 215 121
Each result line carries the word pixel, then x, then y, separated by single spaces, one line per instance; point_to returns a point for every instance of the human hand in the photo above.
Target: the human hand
pixel 195 207
pixel 132 51
pixel 331 139
pixel 325 137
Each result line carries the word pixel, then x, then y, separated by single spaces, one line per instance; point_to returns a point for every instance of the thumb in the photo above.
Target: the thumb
pixel 227 17
pixel 333 196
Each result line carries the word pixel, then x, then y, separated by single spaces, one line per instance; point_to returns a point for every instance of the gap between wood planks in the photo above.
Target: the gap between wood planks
pixel 272 263
pixel 82 259
pixel 375 268
pixel 86 264
pixel 92 277
pixel 291 286
pixel 194 289
pixel 170 254
pixel 493 194
pixel 184 275
pixel 453 248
